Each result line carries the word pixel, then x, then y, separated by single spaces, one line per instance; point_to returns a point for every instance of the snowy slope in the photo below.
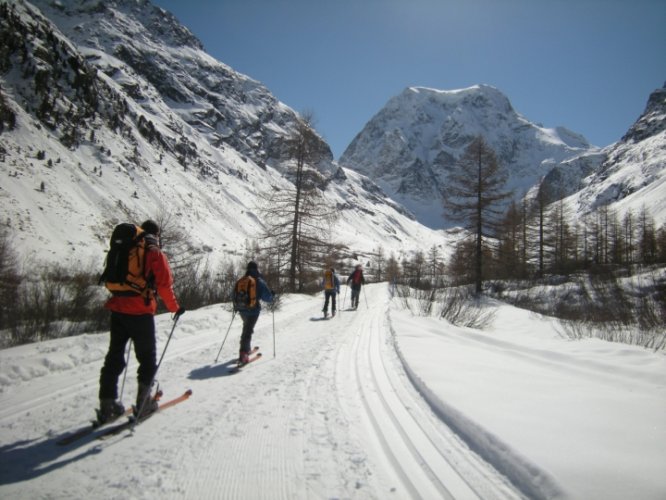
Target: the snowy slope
pixel 159 129
pixel 374 403
pixel 633 174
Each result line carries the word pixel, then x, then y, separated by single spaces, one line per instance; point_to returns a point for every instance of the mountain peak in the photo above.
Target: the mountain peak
pixel 653 119
pixel 409 146
pixel 134 20
pixel 481 95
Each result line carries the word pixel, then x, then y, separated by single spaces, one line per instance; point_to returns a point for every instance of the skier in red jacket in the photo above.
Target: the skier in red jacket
pixel 132 317
pixel 356 280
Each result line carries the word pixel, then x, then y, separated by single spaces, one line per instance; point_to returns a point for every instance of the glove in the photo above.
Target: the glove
pixel 179 313
pixel 274 305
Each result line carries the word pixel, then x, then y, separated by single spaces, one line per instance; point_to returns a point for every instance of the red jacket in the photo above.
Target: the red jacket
pixel 157 264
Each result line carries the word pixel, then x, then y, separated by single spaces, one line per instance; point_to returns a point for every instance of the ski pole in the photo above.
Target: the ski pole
pixel 147 395
pixel 227 334
pixel 175 321
pixel 345 299
pixel 273 333
pixel 129 352
pixel 366 298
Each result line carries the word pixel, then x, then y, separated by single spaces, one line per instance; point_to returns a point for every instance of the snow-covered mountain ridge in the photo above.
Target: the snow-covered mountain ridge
pixel 409 146
pixel 632 174
pixel 112 111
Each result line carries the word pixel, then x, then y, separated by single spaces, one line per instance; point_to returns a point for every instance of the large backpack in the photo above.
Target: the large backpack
pixel 329 283
pixel 245 294
pixel 124 269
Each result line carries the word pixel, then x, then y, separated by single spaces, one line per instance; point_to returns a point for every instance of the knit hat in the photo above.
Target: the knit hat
pixel 252 265
pixel 151 227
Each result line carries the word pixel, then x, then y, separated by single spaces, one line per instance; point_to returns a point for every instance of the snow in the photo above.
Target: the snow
pixel 634 181
pixel 408 147
pixel 374 403
pixel 110 178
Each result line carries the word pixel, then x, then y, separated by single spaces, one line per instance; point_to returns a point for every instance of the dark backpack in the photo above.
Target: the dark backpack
pixel 125 261
pixel 245 294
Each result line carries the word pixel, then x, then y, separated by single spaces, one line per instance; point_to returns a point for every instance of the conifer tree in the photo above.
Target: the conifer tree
pixel 298 219
pixel 474 195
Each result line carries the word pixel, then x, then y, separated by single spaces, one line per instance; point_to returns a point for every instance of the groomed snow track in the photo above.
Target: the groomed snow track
pixel 333 414
pixel 427 457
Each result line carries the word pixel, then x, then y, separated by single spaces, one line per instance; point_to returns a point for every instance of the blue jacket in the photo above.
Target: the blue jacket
pixel 263 293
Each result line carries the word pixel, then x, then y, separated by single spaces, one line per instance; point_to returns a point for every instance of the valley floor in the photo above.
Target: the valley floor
pixel 374 403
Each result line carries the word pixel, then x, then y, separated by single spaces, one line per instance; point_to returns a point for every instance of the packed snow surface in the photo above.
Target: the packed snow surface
pixel 374 403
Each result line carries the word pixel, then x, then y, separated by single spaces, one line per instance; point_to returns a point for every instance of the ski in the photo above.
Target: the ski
pixel 96 425
pixel 252 353
pixel 253 358
pixel 89 429
pixel 132 421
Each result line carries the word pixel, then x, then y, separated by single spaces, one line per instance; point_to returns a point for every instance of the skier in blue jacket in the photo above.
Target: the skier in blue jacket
pixel 251 315
pixel 331 285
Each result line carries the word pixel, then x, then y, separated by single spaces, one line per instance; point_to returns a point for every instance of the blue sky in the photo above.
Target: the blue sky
pixel 588 65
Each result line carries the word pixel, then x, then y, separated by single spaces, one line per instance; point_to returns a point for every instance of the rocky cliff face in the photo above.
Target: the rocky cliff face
pixel 157 61
pixel 632 173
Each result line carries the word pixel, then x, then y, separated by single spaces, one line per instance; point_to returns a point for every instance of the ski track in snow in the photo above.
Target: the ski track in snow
pixel 332 415
pixel 430 460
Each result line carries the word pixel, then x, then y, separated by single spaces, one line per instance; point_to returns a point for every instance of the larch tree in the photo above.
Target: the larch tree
pixel 298 219
pixel 474 197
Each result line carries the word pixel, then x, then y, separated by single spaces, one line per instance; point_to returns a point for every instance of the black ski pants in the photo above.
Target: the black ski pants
pixel 355 295
pixel 141 329
pixel 249 320
pixel 329 294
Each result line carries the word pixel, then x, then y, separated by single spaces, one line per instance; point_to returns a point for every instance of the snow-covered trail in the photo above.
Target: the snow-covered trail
pixel 332 415
pixel 429 460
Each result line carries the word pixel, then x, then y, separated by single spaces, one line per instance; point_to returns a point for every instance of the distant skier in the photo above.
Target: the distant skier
pixel 247 294
pixel 331 285
pixel 357 280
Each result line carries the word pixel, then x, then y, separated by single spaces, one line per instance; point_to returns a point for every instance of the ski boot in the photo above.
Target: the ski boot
pixel 109 409
pixel 145 402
